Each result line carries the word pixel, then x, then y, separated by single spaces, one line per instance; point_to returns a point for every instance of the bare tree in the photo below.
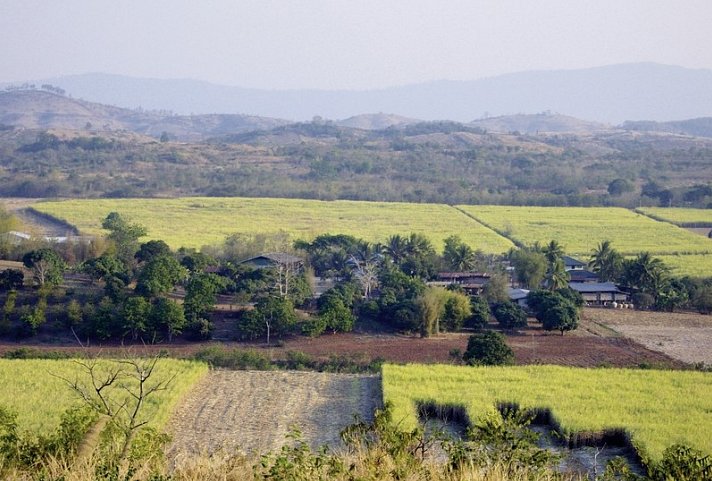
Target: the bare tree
pixel 117 390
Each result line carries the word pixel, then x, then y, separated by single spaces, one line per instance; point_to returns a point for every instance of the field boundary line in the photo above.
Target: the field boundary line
pixel 682 225
pixel 513 240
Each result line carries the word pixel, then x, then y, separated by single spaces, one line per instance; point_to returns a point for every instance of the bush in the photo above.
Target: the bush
pixel 643 300
pixel 510 315
pixel 488 349
pixel 218 356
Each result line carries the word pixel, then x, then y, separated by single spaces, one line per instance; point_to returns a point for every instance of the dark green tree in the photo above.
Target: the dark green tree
pixel 529 267
pixel 201 293
pixel 135 314
pixel 152 249
pixel 46 265
pixel 272 316
pixel 488 349
pixel 480 313
pixel 167 317
pixel 335 316
pixel 562 316
pixel 509 315
pixel 159 276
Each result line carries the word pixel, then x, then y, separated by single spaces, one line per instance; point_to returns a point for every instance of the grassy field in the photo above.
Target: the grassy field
pixel 194 222
pixel 696 265
pixel 680 216
pixel 199 221
pixel 658 408
pixel 31 388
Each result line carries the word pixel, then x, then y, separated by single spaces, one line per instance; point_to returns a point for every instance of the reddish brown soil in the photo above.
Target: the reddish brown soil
pixel 587 347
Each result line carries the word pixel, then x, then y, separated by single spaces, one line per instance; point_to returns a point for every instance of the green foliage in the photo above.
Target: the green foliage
pixel 682 463
pixel 220 356
pixel 201 293
pixel 167 316
pixel 456 311
pixel 488 349
pixel 502 439
pixel 272 316
pixel 480 313
pixel 124 235
pixel 335 316
pixel 135 316
pixel 557 311
pixel 46 265
pixel 159 276
pixel 529 267
pixel 495 290
pixel 509 315
pixel 151 250
pixel 11 279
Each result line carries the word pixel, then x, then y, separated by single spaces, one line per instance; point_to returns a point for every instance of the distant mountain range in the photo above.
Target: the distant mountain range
pixel 610 94
pixel 39 109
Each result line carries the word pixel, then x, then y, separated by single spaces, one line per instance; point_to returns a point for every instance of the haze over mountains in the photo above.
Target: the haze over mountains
pixel 611 94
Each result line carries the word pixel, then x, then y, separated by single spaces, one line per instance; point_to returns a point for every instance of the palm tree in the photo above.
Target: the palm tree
pixel 553 251
pixel 606 261
pixel 458 255
pixel 645 273
pixel 395 248
pixel 556 276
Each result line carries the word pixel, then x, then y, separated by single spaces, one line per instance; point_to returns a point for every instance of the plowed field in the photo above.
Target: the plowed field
pixel 253 411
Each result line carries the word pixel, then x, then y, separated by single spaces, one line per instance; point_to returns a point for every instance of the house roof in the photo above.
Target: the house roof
pixel 570 261
pixel 594 287
pixel 581 275
pixel 277 258
pixel 516 294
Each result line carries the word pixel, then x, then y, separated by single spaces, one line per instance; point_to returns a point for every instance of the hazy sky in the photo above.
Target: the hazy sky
pixel 334 44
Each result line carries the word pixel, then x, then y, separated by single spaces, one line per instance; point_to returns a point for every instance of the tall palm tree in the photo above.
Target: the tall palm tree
pixel 556 276
pixel 553 251
pixel 606 261
pixel 395 248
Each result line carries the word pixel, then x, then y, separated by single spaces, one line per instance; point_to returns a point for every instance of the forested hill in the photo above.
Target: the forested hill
pixel 444 162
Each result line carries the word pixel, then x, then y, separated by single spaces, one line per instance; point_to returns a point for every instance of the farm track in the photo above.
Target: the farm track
pixel 253 411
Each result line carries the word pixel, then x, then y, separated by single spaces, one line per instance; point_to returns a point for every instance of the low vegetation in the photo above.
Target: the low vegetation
pixel 656 408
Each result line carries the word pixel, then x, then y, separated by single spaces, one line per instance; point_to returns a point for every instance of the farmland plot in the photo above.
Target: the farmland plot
pixel 198 221
pixel 253 411
pixel 657 408
pixel 683 336
pixel 580 229
pixel 680 216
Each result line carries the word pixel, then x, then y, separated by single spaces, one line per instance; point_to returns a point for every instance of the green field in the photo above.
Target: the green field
pixel 200 221
pixel 31 388
pixel 195 222
pixel 580 229
pixel 680 216
pixel 657 408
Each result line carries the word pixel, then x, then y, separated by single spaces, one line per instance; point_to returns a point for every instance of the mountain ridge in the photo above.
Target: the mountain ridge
pixel 608 94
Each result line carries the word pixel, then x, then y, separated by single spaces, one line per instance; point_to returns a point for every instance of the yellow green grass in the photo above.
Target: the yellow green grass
pixel 657 408
pixel 195 222
pixel 31 388
pixel 580 229
pixel 696 265
pixel 679 215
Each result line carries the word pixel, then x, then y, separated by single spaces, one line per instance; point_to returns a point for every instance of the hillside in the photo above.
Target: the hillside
pixel 535 123
pixel 608 94
pixel 701 127
pixel 38 109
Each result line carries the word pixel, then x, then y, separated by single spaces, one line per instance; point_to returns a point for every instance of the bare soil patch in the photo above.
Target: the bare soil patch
pixel 253 411
pixel 686 337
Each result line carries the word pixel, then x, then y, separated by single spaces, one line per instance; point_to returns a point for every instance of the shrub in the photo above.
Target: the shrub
pixel 488 348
